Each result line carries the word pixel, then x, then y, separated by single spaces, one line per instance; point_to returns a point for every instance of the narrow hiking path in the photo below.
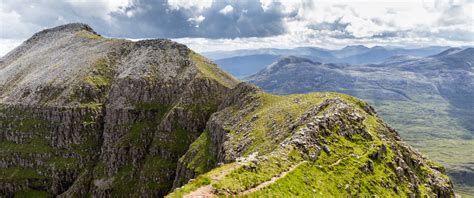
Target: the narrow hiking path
pixel 201 192
pixel 283 174
pixel 271 181
pixel 207 191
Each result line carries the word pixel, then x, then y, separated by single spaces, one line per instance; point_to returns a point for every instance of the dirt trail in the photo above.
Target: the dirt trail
pixel 271 181
pixel 201 192
pixel 207 191
pixel 283 174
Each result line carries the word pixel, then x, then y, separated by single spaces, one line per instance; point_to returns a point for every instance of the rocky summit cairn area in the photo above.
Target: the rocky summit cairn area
pixel 83 115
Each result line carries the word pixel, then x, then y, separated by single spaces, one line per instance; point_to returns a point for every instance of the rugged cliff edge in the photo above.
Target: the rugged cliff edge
pixel 82 115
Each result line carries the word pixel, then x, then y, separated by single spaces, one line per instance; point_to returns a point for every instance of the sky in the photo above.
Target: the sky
pixel 208 25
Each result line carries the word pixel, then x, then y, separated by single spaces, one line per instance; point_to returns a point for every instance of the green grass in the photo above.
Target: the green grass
pixel 92 105
pixel 124 182
pixel 141 129
pixel 204 179
pixel 97 81
pixel 153 106
pixel 201 180
pixel 34 147
pixel 24 120
pixel 99 170
pixel 88 35
pixel 281 110
pixel 20 174
pixel 250 174
pixel 276 109
pixel 198 154
pixel 465 194
pixel 136 133
pixel 32 194
pixel 176 141
pixel 101 74
pixel 212 71
pixel 92 92
pixel 37 145
pixel 157 168
pixel 60 163
pixel 321 179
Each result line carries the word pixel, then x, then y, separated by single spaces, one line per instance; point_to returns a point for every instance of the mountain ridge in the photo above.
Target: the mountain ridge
pixel 350 54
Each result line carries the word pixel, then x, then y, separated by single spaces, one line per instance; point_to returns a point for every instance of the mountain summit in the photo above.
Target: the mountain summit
pixel 83 115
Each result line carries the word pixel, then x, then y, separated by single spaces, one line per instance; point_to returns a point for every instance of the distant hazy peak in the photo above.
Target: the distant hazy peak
pixel 469 50
pixel 465 51
pixel 293 59
pixel 399 58
pixel 378 48
pixel 355 47
pixel 287 61
pixel 449 51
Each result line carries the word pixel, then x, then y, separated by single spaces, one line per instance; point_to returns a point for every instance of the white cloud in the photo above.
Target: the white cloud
pixel 199 5
pixel 6 45
pixel 292 41
pixel 286 6
pixel 196 20
pixel 100 8
pixel 266 4
pixel 302 22
pixel 22 18
pixel 226 10
pixel 365 19
pixel 11 19
pixel 290 6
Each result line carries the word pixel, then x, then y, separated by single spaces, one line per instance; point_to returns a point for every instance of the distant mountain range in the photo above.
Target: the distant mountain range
pixel 241 66
pixel 429 99
pixel 242 63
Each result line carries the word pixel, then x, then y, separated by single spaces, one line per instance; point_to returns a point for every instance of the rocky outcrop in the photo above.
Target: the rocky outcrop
pixel 82 115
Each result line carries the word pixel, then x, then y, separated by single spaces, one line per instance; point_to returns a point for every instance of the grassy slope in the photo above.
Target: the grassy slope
pixel 327 175
pixel 212 71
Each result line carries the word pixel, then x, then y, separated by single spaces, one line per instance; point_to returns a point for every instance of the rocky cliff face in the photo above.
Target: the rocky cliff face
pixel 84 115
